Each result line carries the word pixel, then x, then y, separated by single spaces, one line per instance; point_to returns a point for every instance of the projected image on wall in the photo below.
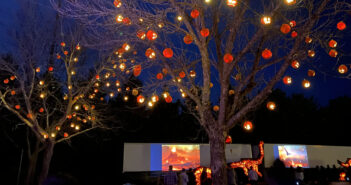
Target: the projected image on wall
pixel 180 156
pixel 292 155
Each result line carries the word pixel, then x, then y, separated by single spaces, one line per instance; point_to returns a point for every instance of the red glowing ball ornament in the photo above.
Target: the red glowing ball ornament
pixel 308 40
pixel 228 140
pixel 294 34
pixel 159 76
pixel 295 64
pixel 188 39
pixel 232 3
pixel 117 3
pixel 341 25
pixel 333 53
pixel 292 23
pixel 248 125
pixel 141 34
pixel 140 99
pixel 182 74
pixel 285 28
pixel 50 69
pixel 17 107
pixel 342 69
pixel 266 54
pixel 126 21
pixel 150 53
pixel 311 73
pixel 41 110
pixel 6 81
pixel 151 35
pixel 205 32
pixel 137 70
pixel 215 108
pixel 168 99
pixel 271 105
pixel 332 43
pixel 168 53
pixel 194 13
pixel 228 58
pixel 287 80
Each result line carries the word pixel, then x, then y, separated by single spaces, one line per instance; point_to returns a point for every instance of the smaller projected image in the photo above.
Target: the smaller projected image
pixel 292 155
pixel 180 156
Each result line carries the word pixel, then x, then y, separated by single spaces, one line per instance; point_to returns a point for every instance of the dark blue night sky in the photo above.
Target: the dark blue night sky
pixel 323 88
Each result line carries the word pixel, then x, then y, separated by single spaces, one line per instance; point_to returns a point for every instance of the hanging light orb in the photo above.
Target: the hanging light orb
pixel 117 3
pixel 266 54
pixel 308 40
pixel 231 92
pixel 182 74
pixel 271 105
pixel 159 76
pixel 119 18
pixel 341 25
pixel 216 108
pixel 228 140
pixel 306 83
pixel 151 35
pixel 232 3
pixel 140 99
pixel 17 107
pixel 342 69
pixel 168 99
pixel 311 53
pixel 292 23
pixel 266 20
pixel 285 28
pixel 248 125
pixel 311 73
pixel 192 74
pixel 188 39
pixel 290 2
pixel 205 32
pixel 228 58
pixel 194 13
pixel 141 34
pixel 154 98
pixel 295 64
pixel 150 53
pixel 287 80
pixel 168 53
pixel 332 43
pixel 294 34
pixel 333 53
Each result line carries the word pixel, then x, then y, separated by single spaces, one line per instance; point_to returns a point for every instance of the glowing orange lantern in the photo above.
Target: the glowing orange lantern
pixel 159 76
pixel 248 125
pixel 311 73
pixel 228 58
pixel 333 53
pixel 271 105
pixel 117 3
pixel 341 25
pixel 150 53
pixel 63 44
pixel 126 21
pixel 342 69
pixel 292 23
pixel 228 140
pixel 13 92
pixel 267 54
pixel 41 110
pixel 216 108
pixel 192 74
pixel 17 107
pixel 287 80
pixel 293 34
pixel 51 68
pixel 6 81
pixel 65 135
pixel 37 69
pixel 311 53
pixel 332 43
pixel 285 28
pixel 97 77
pixel 306 83
pixel 151 35
pixel 205 32
pixel 308 40
pixel 29 116
pixel 290 2
pixel 182 74
pixel 295 64
pixel 137 70
pixel 140 99
pixel 188 39
pixel 232 3
pixel 12 78
pixel 342 176
pixel 265 20
pixel 164 71
pixel 168 53
pixel 141 34
pixel 65 52
pixel 168 99
pixel 194 13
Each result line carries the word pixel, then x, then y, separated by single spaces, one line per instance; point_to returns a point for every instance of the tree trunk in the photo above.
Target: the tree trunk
pixel 218 160
pixel 32 165
pixel 47 156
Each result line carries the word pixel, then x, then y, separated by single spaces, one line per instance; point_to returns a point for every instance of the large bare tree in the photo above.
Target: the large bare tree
pixel 224 55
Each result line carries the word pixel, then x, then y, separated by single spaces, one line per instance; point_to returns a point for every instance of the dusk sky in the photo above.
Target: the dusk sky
pixel 323 88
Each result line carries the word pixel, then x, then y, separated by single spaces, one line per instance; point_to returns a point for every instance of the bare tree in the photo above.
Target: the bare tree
pixel 53 87
pixel 224 55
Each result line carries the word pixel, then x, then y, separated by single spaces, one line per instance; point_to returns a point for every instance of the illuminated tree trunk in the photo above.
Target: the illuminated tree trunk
pixel 218 160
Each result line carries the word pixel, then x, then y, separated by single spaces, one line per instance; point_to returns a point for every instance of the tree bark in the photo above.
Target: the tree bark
pixel 32 165
pixel 218 160
pixel 47 156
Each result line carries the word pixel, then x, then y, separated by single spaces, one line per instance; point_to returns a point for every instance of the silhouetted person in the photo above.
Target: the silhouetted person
pixel 253 176
pixel 232 178
pixel 191 176
pixel 183 178
pixel 171 177
pixel 299 176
